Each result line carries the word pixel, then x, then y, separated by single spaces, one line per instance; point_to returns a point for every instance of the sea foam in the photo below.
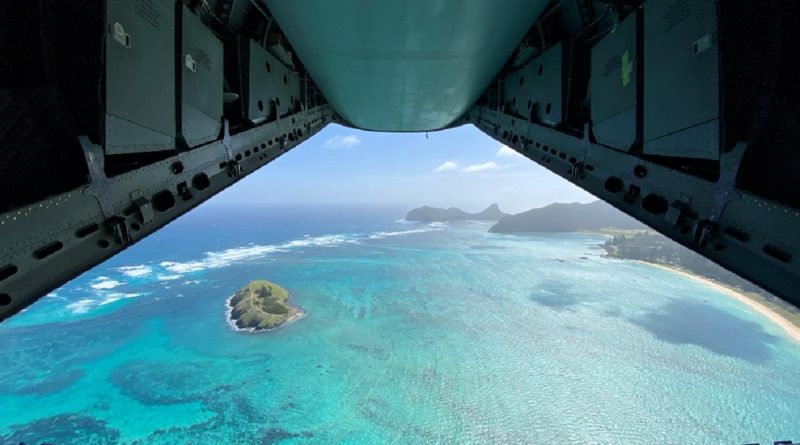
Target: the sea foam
pixel 105 283
pixel 135 271
pixel 165 271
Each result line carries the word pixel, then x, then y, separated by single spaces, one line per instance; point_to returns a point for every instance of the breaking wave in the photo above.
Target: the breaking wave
pixel 85 305
pixel 101 287
pixel 105 283
pixel 224 258
pixel 381 235
pixel 135 271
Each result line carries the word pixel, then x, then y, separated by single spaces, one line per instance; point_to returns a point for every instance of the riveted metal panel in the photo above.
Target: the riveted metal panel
pixel 613 87
pixel 83 232
pixel 536 89
pixel 140 76
pixel 201 82
pixel 681 71
pixel 272 89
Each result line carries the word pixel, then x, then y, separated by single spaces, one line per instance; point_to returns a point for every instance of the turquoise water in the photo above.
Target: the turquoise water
pixel 416 333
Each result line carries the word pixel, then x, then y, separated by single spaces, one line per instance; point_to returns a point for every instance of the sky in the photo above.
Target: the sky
pixel 460 167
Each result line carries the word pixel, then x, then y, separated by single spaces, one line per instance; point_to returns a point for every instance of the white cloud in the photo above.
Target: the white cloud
pixel 446 165
pixel 480 167
pixel 506 151
pixel 343 141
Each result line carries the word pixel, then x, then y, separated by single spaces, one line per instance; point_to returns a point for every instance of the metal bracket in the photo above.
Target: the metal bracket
pixel 703 231
pixel 184 192
pixel 118 228
pixel 676 212
pixel 233 166
pixel 100 185
pixel 632 194
pixel 145 209
pixel 235 169
pixel 577 170
pixel 724 190
pixel 226 138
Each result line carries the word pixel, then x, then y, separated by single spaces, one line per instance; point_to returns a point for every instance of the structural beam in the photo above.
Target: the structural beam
pixel 50 242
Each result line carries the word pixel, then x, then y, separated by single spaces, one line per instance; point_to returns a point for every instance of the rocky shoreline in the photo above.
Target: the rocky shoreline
pixel 261 306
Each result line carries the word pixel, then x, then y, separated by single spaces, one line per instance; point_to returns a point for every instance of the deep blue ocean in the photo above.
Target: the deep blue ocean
pixel 416 334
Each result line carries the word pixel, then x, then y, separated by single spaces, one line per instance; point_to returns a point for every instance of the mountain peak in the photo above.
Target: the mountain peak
pixel 492 212
pixel 431 214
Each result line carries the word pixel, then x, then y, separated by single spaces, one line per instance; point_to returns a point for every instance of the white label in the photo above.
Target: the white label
pixel 701 44
pixel 121 36
pixel 190 63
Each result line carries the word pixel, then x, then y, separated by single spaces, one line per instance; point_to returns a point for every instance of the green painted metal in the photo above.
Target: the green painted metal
pixel 201 81
pixel 613 86
pixel 140 76
pixel 535 89
pixel 270 88
pixel 404 65
pixel 681 50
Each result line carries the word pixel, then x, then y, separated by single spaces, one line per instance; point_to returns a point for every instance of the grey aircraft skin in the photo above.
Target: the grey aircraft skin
pixel 117 116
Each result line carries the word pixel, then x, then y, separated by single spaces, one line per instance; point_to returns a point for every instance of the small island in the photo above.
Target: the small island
pixel 436 214
pixel 262 306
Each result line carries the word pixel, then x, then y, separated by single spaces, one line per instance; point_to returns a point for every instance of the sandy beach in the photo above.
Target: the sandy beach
pixel 790 329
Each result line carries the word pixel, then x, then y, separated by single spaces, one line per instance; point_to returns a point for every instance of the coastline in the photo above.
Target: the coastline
pixel 791 329
pixel 301 313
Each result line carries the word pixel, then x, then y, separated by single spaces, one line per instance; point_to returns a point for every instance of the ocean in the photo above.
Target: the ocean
pixel 416 334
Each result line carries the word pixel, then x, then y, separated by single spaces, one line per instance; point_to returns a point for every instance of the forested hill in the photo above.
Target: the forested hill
pixel 573 217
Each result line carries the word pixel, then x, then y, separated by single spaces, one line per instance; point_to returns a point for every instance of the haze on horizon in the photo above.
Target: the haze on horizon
pixel 460 167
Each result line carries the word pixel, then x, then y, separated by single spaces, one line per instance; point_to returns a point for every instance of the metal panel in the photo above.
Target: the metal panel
pixel 424 62
pixel 201 83
pixel 613 87
pixel 272 89
pixel 235 13
pixel 140 76
pixel 681 55
pixel 536 89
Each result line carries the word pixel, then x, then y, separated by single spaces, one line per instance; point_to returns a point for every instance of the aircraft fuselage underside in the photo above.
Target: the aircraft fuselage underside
pixel 118 116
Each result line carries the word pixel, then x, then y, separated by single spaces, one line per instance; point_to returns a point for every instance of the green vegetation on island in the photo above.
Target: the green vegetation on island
pixel 652 247
pixel 573 217
pixel 262 305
